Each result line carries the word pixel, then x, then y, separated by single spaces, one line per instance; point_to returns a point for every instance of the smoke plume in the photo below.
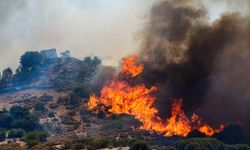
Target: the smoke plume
pixel 205 63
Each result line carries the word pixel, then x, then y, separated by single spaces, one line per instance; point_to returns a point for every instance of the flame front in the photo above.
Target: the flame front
pixel 121 97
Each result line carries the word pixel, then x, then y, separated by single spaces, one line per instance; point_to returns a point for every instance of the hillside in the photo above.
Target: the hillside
pixel 50 111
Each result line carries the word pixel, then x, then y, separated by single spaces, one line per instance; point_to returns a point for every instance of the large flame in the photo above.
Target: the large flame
pixel 121 97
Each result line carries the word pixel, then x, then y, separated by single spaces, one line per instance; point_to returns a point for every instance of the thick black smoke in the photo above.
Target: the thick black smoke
pixel 207 64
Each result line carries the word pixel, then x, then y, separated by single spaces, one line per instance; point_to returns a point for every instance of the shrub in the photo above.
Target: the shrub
pixel 19 112
pixel 46 98
pixel 82 91
pixel 6 120
pixel 29 123
pixel 139 145
pixel 2 135
pixel 230 135
pixel 16 133
pixel 32 143
pixel 51 114
pixel 74 100
pixel 71 113
pixel 39 106
pixel 33 138
pixel 198 143
pixel 69 120
pixel 207 144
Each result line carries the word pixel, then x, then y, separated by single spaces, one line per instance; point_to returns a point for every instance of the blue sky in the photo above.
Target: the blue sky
pixel 109 29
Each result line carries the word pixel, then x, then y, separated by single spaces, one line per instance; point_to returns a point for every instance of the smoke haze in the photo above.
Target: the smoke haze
pixel 86 27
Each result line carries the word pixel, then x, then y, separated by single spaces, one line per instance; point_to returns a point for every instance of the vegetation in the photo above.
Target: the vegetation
pixel 206 143
pixel 18 118
pixel 7 77
pixel 82 91
pixel 33 138
pixel 16 133
pixel 33 65
pixel 51 114
pixel 95 62
pixel 65 54
pixel 139 145
pixel 2 135
pixel 91 144
pixel 30 60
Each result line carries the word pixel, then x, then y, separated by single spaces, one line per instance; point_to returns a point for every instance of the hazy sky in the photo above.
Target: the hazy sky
pixel 106 28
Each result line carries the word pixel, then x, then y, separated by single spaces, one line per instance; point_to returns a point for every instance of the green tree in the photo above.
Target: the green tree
pixel 28 123
pixel 30 60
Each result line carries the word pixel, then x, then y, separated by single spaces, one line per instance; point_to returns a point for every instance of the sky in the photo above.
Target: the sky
pixel 109 29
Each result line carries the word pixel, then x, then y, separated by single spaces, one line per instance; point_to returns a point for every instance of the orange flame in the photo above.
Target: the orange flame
pixel 119 97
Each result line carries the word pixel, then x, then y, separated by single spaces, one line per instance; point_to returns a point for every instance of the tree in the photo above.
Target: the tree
pixel 65 53
pixel 7 74
pixel 87 60
pixel 30 60
pixel 19 111
pixel 28 123
pixel 6 120
pixel 95 62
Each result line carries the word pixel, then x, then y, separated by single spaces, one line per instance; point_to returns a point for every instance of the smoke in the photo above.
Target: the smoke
pixel 85 27
pixel 202 61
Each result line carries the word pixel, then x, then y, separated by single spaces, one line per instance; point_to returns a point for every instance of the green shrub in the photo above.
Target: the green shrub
pixel 28 123
pixel 33 138
pixel 16 133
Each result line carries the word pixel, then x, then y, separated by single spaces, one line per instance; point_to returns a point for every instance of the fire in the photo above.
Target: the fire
pixel 129 66
pixel 120 97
